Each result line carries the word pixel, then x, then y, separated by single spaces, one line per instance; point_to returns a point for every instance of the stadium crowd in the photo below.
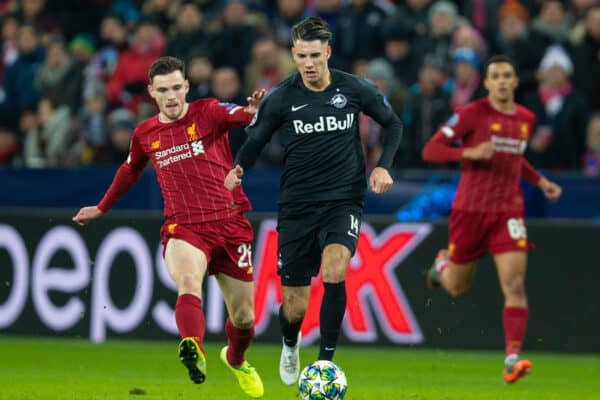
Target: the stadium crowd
pixel 73 73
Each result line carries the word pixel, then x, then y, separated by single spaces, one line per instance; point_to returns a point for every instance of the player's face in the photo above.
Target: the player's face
pixel 169 93
pixel 311 60
pixel 501 81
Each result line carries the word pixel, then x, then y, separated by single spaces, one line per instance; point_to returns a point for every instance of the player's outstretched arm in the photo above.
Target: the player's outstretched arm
pixel 87 214
pixel 380 180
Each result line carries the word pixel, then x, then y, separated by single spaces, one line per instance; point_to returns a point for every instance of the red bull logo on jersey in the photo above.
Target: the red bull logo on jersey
pixel 328 123
pixel 374 292
pixel 509 145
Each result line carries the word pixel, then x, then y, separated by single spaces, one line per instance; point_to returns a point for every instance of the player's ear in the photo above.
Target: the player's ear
pixel 150 91
pixel 486 83
pixel 328 51
pixel 186 86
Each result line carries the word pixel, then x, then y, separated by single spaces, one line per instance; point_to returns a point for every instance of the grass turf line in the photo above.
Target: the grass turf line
pixel 57 369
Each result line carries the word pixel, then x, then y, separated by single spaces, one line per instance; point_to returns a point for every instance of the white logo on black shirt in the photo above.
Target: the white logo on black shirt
pixel 296 108
pixel 338 101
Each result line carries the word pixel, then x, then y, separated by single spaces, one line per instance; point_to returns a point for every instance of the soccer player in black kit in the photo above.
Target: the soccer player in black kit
pixel 323 182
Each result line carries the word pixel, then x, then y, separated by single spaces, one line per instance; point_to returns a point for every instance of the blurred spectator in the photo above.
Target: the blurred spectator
pixel 553 24
pixel 188 37
pixel 34 13
pixel 401 51
pixel 559 140
pixel 358 33
pixel 93 122
pixel 47 142
pixel 426 109
pixel 466 85
pixel 413 15
pixel 9 145
pixel 19 77
pixel 60 77
pixel 121 123
pixel 32 151
pixel 82 48
pixel 227 87
pixel 443 21
pixel 360 67
pixel 381 73
pixel 127 10
pixel 113 40
pixel 127 85
pixel 289 12
pixel 270 65
pixel 161 11
pixel 232 44
pixel 482 14
pixel 199 74
pixel 580 9
pixel 467 36
pixel 591 162
pixel 9 51
pixel 586 59
pixel 515 41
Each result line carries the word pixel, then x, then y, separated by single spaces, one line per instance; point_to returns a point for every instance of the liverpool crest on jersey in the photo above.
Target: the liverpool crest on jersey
pixel 338 101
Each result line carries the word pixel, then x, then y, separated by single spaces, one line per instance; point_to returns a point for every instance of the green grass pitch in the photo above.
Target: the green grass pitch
pixel 57 369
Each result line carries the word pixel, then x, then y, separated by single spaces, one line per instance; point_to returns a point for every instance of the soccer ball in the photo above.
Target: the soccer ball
pixel 322 380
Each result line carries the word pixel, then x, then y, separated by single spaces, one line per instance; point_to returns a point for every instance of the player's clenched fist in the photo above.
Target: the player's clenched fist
pixel 234 177
pixel 551 190
pixel 380 180
pixel 483 151
pixel 86 215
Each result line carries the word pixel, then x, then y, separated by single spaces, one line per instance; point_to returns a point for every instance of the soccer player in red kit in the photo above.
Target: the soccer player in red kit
pixel 487 213
pixel 204 229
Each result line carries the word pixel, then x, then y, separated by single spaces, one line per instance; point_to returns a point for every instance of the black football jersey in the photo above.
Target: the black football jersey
pixel 319 131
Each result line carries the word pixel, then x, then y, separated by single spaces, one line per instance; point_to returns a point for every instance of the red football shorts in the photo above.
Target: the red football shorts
pixel 227 244
pixel 473 233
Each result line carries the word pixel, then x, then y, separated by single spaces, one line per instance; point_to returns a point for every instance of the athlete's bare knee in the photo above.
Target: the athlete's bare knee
pixel 457 289
pixel 243 318
pixel 294 312
pixel 189 283
pixel 334 269
pixel 515 290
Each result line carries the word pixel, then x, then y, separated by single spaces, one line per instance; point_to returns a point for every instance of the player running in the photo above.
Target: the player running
pixel 487 214
pixel 315 113
pixel 205 228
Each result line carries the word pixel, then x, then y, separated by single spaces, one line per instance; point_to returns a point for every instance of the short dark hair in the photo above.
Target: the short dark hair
pixel 166 65
pixel 312 28
pixel 501 58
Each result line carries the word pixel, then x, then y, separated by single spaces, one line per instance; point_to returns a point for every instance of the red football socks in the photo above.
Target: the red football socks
pixel 190 318
pixel 515 324
pixel 238 342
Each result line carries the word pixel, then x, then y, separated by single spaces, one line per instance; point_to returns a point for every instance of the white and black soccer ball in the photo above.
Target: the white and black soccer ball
pixel 322 380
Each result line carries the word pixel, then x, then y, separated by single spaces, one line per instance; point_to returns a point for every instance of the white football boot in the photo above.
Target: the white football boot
pixel 289 364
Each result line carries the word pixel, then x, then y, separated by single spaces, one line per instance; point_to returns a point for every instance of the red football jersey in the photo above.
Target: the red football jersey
pixel 191 157
pixel 493 185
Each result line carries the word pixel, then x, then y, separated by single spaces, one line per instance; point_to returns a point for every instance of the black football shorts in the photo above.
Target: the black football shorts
pixel 304 231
